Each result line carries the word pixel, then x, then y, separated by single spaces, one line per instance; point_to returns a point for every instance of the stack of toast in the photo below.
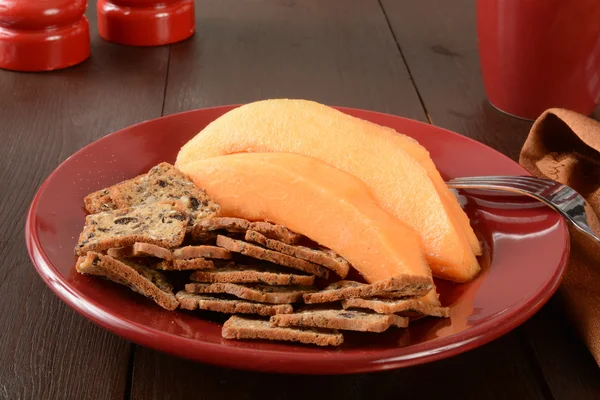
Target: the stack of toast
pixel 278 284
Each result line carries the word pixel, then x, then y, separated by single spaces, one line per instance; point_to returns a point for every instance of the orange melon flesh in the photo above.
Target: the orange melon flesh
pixel 327 205
pixel 419 153
pixel 372 153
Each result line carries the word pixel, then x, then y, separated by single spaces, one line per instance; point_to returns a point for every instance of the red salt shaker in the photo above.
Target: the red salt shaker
pixel 145 22
pixel 43 35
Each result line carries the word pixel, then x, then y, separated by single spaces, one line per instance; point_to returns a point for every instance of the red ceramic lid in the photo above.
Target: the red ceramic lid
pixel 43 35
pixel 526 249
pixel 145 22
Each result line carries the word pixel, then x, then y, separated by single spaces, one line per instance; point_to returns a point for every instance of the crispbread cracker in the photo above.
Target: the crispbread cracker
pixel 392 295
pixel 245 328
pixel 192 264
pixel 140 250
pixel 161 223
pixel 251 274
pixel 164 182
pixel 99 201
pixel 277 232
pixel 415 286
pixel 341 319
pixel 208 228
pixel 250 250
pixel 190 301
pixel 254 292
pixel 188 252
pixel 327 259
pixel 408 308
pixel 139 278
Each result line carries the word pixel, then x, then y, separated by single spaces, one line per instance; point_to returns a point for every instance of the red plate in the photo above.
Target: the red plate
pixel 526 248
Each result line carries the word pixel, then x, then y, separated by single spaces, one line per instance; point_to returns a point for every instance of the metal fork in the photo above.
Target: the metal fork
pixel 562 198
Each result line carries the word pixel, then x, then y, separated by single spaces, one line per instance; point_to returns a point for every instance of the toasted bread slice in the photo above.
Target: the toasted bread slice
pixel 246 328
pixel 162 224
pixel 255 292
pixel 277 232
pixel 190 301
pixel 141 250
pixel 323 257
pixel 193 264
pixel 188 252
pixel 250 250
pixel 251 274
pixel 341 319
pixel 407 308
pixel 99 201
pixel 410 286
pixel 208 228
pixel 137 277
pixel 164 182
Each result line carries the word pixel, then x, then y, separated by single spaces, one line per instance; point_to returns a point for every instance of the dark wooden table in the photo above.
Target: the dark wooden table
pixel 409 58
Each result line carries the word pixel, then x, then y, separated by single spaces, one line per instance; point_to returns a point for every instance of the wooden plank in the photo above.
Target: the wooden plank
pixel 338 53
pixel 489 372
pixel 438 40
pixel 439 43
pixel 48 351
pixel 335 52
pixel 567 364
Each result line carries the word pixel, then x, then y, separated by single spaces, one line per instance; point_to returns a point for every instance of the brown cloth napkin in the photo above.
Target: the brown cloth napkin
pixel 565 146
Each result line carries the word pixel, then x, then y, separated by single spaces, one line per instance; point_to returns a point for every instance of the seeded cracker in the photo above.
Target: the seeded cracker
pixel 349 320
pixel 403 307
pixel 250 250
pixel 245 328
pixel 138 278
pixel 99 201
pixel 276 232
pixel 189 301
pixel 415 286
pixel 140 250
pixel 208 228
pixel 255 292
pixel 251 274
pixel 187 252
pixel 326 258
pixel 186 265
pixel 162 224
pixel 164 182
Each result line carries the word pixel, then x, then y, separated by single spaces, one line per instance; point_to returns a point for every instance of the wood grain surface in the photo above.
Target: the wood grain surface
pixel 439 43
pixel 157 376
pixel 337 52
pixel 409 58
pixel 47 351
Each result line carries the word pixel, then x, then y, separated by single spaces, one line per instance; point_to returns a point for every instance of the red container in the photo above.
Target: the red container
pixel 43 35
pixel 538 54
pixel 145 22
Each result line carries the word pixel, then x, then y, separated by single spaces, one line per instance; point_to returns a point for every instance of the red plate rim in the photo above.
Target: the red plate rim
pixel 340 363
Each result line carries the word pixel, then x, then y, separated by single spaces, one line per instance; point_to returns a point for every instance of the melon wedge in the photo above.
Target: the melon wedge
pixel 420 153
pixel 373 154
pixel 329 206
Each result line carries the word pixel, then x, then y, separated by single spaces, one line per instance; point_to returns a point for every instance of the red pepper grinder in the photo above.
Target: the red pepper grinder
pixel 43 35
pixel 145 22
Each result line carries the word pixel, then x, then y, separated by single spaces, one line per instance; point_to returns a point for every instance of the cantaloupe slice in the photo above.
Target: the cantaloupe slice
pixel 329 206
pixel 420 153
pixel 372 153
